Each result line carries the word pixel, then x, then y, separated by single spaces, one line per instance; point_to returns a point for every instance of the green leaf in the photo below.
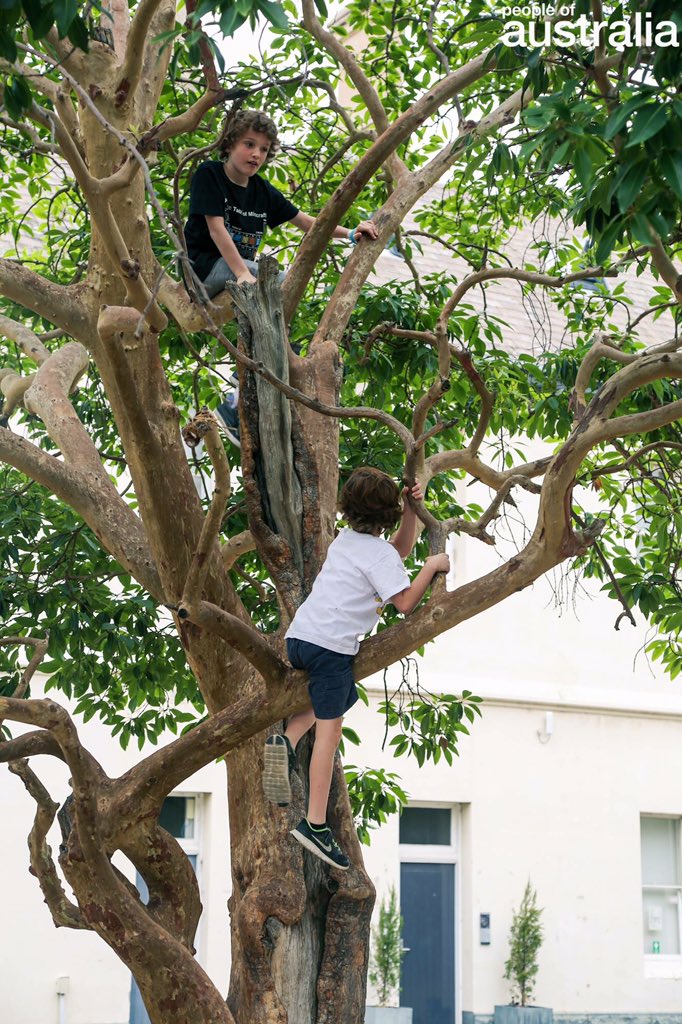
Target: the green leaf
pixel 65 11
pixel 607 241
pixel 78 34
pixel 8 48
pixel 350 734
pixel 17 97
pixel 671 169
pixel 230 21
pixel 647 122
pixel 619 117
pixel 40 17
pixel 631 185
pixel 274 13
pixel 641 229
pixel 583 166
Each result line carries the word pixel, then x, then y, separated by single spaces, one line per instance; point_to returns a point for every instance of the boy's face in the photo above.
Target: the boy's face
pixel 248 154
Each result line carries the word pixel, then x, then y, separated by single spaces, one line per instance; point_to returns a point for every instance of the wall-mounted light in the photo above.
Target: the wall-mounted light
pixel 545 735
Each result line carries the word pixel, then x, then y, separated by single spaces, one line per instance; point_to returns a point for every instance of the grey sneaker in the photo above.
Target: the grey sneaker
pixel 321 843
pixel 279 762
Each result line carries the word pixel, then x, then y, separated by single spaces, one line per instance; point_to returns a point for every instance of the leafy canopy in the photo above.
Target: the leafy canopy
pixel 609 172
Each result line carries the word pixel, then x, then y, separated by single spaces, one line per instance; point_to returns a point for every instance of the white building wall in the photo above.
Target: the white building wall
pixel 564 813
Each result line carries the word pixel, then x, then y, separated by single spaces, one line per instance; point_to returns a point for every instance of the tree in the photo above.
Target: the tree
pixel 146 593
pixel 525 940
pixel 387 954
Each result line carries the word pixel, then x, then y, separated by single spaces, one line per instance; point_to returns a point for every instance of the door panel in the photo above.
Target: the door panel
pixel 427 905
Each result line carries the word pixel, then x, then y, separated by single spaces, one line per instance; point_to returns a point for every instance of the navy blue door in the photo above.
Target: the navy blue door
pixel 427 905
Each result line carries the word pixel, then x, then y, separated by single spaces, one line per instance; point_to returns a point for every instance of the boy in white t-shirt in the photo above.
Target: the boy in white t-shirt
pixel 361 573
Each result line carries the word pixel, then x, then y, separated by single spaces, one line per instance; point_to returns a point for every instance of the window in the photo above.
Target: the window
pixel 661 885
pixel 178 816
pixel 426 826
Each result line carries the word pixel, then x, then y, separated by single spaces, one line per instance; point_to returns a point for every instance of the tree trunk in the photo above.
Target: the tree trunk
pixel 299 929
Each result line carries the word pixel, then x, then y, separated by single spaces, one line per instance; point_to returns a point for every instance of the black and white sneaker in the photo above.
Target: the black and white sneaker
pixel 227 415
pixel 321 842
pixel 279 763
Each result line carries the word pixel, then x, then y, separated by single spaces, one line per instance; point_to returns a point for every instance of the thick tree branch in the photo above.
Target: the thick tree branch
pixel 643 422
pixel 95 500
pixel 30 744
pixel 138 292
pixel 391 215
pixel 29 342
pixel 240 635
pixel 665 266
pixel 602 348
pixel 346 58
pixel 58 303
pixel 237 546
pixel 333 45
pixel 64 912
pixel 131 68
pixel 39 646
pixel 148 783
pixel 47 714
pixel 204 427
pixel 344 196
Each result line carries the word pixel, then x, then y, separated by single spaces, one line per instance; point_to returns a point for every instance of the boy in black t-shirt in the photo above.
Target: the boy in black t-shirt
pixel 230 208
pixel 231 205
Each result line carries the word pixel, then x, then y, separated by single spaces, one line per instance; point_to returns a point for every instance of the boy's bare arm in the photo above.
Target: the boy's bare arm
pixel 228 250
pixel 407 600
pixel 304 222
pixel 404 537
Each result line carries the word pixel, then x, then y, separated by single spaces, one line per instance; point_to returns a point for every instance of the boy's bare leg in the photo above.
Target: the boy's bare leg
pixel 327 736
pixel 298 725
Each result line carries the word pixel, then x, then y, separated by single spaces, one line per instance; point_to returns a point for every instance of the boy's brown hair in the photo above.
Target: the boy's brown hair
pixel 370 501
pixel 249 121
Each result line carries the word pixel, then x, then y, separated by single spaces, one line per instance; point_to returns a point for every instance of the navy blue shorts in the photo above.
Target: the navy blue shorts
pixel 332 686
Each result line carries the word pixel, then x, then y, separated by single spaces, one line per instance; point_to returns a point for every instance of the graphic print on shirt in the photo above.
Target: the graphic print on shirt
pixel 246 241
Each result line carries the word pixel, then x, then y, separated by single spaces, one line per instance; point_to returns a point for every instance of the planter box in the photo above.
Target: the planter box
pixel 523 1015
pixel 388 1015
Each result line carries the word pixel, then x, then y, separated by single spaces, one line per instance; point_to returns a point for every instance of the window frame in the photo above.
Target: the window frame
pixel 663 965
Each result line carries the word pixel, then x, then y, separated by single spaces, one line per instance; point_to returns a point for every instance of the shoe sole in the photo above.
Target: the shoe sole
pixel 276 785
pixel 310 845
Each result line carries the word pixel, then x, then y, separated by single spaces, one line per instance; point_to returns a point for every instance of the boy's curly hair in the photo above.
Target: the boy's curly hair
pixel 249 121
pixel 370 500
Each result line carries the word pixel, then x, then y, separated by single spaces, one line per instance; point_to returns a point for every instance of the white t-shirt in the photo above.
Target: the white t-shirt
pixel 360 574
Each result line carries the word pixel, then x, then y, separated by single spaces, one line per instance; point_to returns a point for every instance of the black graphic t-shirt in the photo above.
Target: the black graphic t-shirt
pixel 247 211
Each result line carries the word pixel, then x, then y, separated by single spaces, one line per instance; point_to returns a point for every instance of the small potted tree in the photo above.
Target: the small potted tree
pixel 385 961
pixel 521 968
